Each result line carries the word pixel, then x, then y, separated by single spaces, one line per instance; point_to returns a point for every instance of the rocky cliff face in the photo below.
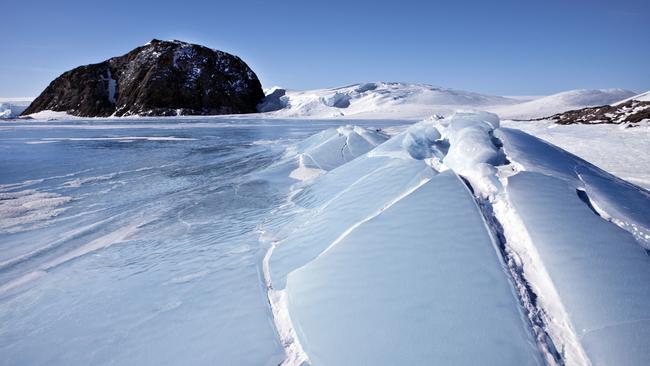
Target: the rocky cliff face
pixel 161 78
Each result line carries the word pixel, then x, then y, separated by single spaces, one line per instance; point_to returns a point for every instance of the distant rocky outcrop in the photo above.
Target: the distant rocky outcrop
pixel 161 78
pixel 631 111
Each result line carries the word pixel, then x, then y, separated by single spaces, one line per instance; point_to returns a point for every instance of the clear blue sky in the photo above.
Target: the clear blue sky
pixel 497 47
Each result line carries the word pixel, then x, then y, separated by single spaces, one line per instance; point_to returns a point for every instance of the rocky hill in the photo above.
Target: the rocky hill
pixel 161 78
pixel 631 111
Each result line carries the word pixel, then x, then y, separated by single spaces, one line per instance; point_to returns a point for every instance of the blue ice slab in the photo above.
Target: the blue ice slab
pixel 599 272
pixel 419 284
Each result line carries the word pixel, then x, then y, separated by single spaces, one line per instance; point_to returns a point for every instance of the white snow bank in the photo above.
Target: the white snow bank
pixel 48 115
pixel 561 102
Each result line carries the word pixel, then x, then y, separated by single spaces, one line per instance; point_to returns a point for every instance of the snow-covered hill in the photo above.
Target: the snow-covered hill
pixel 561 102
pixel 416 101
pixel 375 100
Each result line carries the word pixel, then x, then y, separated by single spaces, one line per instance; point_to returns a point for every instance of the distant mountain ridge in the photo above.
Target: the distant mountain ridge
pixel 161 78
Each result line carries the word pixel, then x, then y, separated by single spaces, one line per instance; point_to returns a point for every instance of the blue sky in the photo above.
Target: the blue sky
pixel 496 47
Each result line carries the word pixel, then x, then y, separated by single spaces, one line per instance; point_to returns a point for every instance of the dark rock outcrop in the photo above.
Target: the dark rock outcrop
pixel 161 78
pixel 632 111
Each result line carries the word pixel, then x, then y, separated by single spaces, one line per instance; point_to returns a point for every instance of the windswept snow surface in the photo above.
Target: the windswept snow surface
pixel 137 243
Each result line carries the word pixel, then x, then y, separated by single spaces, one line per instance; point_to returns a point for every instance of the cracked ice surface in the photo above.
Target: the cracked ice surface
pixel 422 280
pixel 389 252
pixel 560 222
